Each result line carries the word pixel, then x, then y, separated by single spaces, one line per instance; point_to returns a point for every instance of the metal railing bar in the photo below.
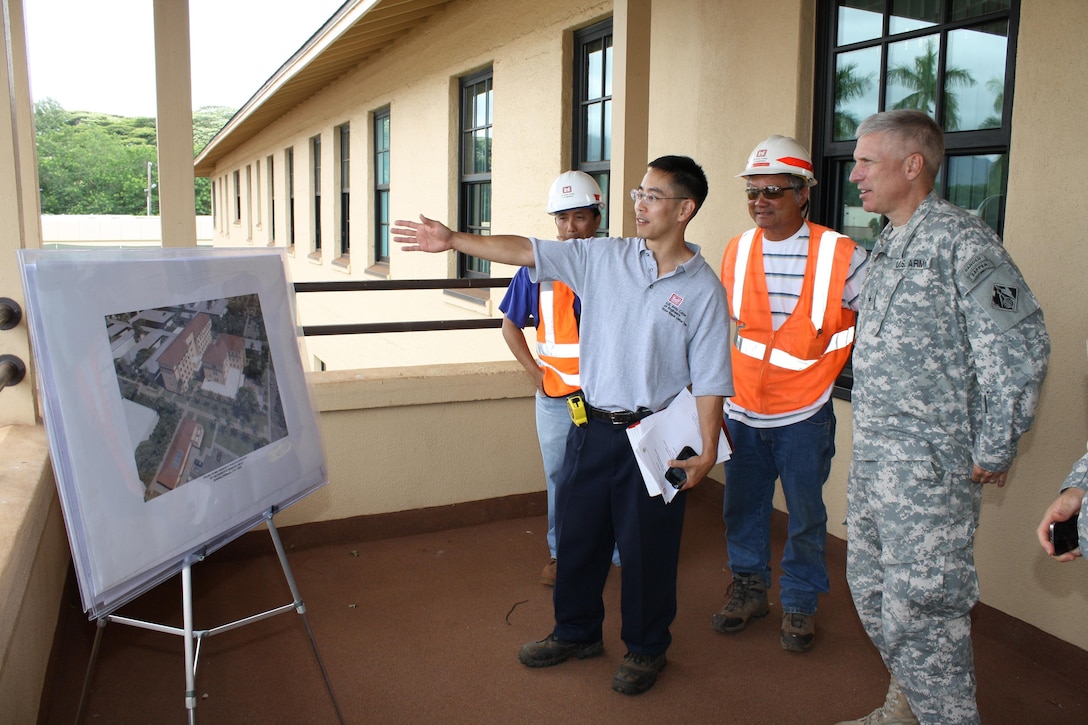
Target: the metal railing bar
pixel 418 326
pixel 375 285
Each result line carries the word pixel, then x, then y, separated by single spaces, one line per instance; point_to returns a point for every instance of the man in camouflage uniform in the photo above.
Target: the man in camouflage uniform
pixel 950 355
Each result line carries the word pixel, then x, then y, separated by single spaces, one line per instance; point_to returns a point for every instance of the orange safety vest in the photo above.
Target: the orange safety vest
pixel 783 370
pixel 557 339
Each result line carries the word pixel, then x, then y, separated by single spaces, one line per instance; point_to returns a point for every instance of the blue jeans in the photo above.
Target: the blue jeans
pixel 800 455
pixel 552 424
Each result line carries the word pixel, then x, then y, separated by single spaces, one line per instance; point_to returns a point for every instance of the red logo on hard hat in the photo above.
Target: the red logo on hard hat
pixel 761 153
pixel 567 189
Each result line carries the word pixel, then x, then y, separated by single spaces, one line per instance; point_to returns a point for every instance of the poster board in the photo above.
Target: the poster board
pixel 175 405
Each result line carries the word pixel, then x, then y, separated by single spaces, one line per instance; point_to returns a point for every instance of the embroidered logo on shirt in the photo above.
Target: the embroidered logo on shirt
pixel 672 308
pixel 913 263
pixel 1005 297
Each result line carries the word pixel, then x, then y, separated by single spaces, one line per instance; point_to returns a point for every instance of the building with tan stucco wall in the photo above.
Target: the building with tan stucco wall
pixel 702 78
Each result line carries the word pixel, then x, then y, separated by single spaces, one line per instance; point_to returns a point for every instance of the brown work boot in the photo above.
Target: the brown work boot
pixel 551 651
pixel 798 631
pixel 547 577
pixel 748 600
pixel 638 673
pixel 895 710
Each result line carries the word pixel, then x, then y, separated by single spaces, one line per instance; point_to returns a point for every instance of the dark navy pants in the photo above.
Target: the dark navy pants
pixel 601 501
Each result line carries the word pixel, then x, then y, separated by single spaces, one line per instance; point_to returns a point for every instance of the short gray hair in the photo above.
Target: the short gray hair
pixel 915 131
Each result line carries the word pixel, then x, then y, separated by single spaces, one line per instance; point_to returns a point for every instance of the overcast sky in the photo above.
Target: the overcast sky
pixel 92 56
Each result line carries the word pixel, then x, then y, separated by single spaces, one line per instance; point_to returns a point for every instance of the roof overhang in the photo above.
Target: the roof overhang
pixel 359 30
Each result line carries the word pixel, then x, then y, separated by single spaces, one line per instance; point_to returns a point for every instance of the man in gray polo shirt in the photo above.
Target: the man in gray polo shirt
pixel 654 321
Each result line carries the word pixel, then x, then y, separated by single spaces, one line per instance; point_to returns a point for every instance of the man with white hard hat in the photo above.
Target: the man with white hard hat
pixel 793 292
pixel 575 203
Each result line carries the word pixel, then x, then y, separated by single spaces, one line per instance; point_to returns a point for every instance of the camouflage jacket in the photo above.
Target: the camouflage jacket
pixel 951 348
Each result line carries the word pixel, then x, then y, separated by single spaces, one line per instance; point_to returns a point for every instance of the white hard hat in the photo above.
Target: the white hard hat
pixel 780 155
pixel 573 190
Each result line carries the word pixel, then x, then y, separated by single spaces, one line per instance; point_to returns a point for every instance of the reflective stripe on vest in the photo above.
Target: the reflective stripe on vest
pixel 825 260
pixel 782 359
pixel 559 358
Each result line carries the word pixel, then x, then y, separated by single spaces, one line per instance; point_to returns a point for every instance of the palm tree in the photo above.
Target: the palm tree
pixel 996 86
pixel 922 79
pixel 848 86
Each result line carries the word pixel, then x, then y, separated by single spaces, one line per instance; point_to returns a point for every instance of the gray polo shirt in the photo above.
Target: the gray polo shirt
pixel 642 339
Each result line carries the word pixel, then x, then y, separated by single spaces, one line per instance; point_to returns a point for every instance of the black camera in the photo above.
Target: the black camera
pixel 677 476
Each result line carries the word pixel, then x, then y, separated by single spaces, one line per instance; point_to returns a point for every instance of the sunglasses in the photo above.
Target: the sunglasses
pixel 769 192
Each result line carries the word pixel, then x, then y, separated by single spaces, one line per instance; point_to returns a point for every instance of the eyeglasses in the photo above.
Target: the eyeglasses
pixel 769 192
pixel 650 199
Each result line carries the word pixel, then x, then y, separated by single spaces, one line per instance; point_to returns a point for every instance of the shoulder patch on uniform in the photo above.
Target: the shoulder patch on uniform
pixel 978 265
pixel 1005 297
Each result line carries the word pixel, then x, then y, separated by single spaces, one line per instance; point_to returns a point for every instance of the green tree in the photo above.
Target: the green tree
pixel 848 86
pixel 207 122
pixel 97 163
pixel 995 86
pixel 921 79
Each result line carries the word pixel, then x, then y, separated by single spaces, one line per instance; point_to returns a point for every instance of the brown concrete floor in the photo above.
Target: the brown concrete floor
pixel 425 629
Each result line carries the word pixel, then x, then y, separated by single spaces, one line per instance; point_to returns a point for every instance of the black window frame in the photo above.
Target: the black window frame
pixel 289 193
pixel 585 42
pixel 315 158
pixel 474 198
pixel 383 134
pixel 344 182
pixel 833 158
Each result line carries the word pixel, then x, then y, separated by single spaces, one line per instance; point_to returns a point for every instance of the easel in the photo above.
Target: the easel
pixel 193 654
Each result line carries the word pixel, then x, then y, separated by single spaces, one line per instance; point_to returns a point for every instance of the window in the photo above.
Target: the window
pixel 289 181
pixel 381 185
pixel 271 200
pixel 249 203
pixel 237 197
pixel 952 59
pixel 593 107
pixel 315 151
pixel 476 120
pixel 215 206
pixel 260 204
pixel 344 181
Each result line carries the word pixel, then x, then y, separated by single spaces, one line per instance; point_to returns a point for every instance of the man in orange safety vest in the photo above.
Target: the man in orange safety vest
pixel 792 287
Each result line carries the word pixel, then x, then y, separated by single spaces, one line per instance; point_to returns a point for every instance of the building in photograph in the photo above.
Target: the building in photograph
pixel 183 357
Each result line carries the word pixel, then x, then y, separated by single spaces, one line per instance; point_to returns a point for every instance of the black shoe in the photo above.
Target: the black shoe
pixel 638 673
pixel 748 600
pixel 551 651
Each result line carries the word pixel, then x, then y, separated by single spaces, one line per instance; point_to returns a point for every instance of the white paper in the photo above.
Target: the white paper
pixel 657 439
pixel 124 542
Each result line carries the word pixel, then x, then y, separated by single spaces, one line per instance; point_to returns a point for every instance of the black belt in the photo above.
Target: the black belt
pixel 619 417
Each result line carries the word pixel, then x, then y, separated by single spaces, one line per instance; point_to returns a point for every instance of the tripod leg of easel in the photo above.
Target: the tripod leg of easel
pixel 300 607
pixel 102 621
pixel 190 662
